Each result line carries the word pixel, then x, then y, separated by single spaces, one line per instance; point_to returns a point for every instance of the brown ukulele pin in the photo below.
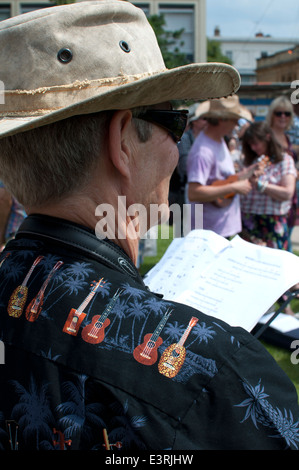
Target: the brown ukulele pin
pixel 173 357
pixel 19 296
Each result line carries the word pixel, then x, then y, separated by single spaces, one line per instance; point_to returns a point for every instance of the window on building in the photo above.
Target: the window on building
pixel 264 54
pixel 229 54
pixel 180 17
pixel 144 6
pixel 4 11
pixel 26 7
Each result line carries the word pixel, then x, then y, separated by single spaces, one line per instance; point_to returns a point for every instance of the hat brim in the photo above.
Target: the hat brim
pixel 189 82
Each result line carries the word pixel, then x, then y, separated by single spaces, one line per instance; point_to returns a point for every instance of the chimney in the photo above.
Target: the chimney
pixel 217 31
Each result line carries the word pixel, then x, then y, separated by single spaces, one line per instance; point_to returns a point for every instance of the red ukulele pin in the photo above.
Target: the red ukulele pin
pixel 147 352
pixel 94 332
pixel 76 316
pixel 34 308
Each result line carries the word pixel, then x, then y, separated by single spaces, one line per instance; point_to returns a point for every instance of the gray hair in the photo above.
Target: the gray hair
pixel 51 162
pixel 143 128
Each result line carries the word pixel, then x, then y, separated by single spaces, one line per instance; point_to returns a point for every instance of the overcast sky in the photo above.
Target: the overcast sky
pixel 244 18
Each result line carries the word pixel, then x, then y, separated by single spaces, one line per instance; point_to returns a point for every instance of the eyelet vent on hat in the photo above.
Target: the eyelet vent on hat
pixel 65 55
pixel 124 46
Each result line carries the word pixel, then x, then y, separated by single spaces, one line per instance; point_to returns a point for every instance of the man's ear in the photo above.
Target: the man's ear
pixel 120 140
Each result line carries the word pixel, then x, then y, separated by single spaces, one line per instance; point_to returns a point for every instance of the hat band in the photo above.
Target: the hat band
pixel 42 100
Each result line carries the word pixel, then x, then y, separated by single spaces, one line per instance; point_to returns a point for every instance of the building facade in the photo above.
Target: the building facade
pixel 280 67
pixel 16 7
pixel 178 14
pixel 189 15
pixel 244 52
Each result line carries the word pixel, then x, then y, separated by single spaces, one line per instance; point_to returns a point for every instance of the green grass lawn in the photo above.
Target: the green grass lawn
pixel 282 356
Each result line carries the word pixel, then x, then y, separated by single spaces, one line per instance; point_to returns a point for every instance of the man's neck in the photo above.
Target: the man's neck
pixel 83 212
pixel 213 133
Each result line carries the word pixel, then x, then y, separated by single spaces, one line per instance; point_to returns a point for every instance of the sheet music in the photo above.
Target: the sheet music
pixel 185 260
pixel 235 281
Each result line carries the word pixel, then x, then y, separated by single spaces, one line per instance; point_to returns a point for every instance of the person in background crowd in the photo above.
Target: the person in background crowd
pixel 293 134
pixel 236 153
pixel 280 118
pixel 266 207
pixel 210 168
pixel 234 141
pixel 178 190
pixel 196 124
pixel 293 131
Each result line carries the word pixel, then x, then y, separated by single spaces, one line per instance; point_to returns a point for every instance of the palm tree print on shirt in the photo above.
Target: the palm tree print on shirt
pixel 79 416
pixel 33 412
pixel 38 427
pixel 260 411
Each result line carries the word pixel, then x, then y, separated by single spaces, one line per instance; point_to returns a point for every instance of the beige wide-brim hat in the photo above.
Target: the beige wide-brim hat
pixel 87 57
pixel 224 108
pixel 200 110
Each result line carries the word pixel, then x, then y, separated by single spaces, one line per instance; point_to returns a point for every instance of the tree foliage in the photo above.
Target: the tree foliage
pixel 169 42
pixel 214 53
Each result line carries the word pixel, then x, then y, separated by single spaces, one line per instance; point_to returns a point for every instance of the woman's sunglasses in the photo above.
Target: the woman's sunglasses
pixel 173 121
pixel 280 113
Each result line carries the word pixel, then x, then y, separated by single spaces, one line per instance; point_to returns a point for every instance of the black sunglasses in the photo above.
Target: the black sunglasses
pixel 173 121
pixel 280 113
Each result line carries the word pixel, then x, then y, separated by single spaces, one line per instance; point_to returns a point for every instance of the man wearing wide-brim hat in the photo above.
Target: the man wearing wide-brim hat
pixel 93 359
pixel 224 108
pixel 211 173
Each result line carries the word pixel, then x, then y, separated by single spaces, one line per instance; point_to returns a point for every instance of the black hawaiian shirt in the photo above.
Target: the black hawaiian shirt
pixel 95 361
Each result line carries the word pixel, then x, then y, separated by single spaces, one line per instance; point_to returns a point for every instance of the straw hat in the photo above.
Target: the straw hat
pixel 200 110
pixel 224 108
pixel 87 57
pixel 246 114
